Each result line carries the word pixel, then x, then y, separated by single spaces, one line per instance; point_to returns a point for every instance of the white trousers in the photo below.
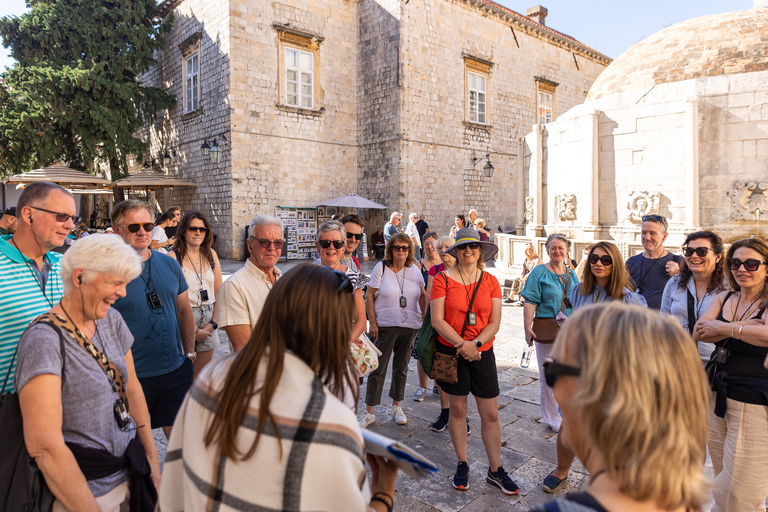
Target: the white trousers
pixel 549 409
pixel 116 500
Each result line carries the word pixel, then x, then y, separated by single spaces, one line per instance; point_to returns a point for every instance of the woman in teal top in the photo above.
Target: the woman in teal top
pixel 546 291
pixel 605 278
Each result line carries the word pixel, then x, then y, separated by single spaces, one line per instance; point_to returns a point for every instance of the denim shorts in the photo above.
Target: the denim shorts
pixel 203 315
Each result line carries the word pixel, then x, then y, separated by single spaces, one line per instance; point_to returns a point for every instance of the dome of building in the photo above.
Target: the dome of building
pixel 720 44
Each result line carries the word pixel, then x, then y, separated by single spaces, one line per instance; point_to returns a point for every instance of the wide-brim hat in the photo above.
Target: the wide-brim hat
pixel 469 235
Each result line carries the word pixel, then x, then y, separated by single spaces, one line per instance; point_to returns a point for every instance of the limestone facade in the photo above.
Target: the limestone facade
pixel 390 117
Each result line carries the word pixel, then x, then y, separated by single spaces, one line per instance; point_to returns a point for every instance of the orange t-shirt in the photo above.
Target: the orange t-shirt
pixel 457 297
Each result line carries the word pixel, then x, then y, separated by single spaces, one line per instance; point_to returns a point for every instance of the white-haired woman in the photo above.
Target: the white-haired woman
pixel 85 417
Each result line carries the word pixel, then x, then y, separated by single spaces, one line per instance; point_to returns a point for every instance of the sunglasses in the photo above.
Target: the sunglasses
pixel 701 252
pixel 264 243
pixel 750 265
pixel 199 229
pixel 553 370
pixel 656 218
pixel 337 244
pixel 356 236
pixel 401 248
pixel 345 283
pixel 472 245
pixel 134 228
pixel 604 259
pixel 61 217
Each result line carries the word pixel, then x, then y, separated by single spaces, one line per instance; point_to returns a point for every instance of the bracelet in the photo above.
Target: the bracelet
pixel 377 497
pixel 740 329
pixel 733 328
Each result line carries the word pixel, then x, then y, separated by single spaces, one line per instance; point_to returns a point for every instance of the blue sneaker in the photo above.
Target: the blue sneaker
pixel 501 479
pixel 461 478
pixel 441 423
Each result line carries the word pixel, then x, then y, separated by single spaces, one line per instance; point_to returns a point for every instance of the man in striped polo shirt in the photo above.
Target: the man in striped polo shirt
pixel 28 270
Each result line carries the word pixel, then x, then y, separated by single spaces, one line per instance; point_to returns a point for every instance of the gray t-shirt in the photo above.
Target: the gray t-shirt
pixel 87 397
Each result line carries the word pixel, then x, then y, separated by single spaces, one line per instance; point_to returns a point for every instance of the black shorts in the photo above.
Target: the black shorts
pixel 165 393
pixel 477 377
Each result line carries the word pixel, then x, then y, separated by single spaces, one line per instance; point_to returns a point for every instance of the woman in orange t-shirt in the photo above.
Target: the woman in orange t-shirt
pixel 469 333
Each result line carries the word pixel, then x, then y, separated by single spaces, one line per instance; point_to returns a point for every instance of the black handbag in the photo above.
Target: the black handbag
pixel 22 485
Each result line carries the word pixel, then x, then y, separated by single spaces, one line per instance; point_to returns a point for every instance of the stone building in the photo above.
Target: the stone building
pixel 398 101
pixel 676 126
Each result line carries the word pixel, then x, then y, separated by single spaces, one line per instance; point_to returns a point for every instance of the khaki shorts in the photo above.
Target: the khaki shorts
pixel 203 315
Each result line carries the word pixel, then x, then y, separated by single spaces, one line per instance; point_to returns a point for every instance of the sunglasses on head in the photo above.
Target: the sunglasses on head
pixel 337 244
pixel 553 370
pixel 61 217
pixel 357 236
pixel 701 252
pixel 750 264
pixel 265 243
pixel 656 218
pixel 134 228
pixel 604 259
pixel 401 248
pixel 345 283
pixel 197 229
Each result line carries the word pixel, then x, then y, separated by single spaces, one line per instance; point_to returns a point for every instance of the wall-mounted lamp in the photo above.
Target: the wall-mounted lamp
pixel 213 150
pixel 488 168
pixel 166 158
pixel 205 148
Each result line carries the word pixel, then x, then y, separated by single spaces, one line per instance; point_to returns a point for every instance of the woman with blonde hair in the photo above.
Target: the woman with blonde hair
pixel 531 261
pixel 634 402
pixel 264 429
pixel 735 323
pixel 605 279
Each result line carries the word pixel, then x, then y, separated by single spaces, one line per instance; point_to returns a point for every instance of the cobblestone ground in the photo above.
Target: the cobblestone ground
pixel 528 451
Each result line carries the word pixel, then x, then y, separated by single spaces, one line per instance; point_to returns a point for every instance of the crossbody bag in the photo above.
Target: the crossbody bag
pixel 547 329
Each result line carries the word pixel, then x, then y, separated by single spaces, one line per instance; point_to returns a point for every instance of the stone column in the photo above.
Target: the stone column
pixel 590 214
pixel 691 145
pixel 520 186
pixel 535 226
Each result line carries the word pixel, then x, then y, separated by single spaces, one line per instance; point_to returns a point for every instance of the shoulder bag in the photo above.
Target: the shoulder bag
pixel 445 367
pixel 546 329
pixel 426 341
pixel 22 485
pixel 365 355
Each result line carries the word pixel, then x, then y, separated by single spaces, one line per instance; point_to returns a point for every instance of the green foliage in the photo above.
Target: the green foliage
pixel 74 93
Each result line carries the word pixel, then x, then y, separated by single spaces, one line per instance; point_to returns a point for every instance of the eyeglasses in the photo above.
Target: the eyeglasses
pixel 357 236
pixel 750 265
pixel 559 236
pixel 265 243
pixel 701 252
pixel 60 217
pixel 472 245
pixel 553 370
pixel 656 218
pixel 337 244
pixel 604 259
pixel 345 283
pixel 134 228
pixel 401 248
pixel 199 229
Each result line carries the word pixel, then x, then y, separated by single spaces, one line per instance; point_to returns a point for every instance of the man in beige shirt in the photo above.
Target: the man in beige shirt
pixel 242 296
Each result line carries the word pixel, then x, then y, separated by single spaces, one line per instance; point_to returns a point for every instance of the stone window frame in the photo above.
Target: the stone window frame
pixel 290 38
pixel 545 88
pixel 190 49
pixel 482 67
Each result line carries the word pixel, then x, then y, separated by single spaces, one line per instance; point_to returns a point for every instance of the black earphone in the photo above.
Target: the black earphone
pixel 80 280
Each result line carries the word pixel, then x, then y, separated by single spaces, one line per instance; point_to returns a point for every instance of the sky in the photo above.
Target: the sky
pixel 608 26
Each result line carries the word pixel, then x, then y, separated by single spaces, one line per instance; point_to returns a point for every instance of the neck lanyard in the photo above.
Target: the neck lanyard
pixel 642 275
pixel 403 302
pixel 34 274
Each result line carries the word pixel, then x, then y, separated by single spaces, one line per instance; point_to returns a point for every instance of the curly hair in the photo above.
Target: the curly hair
pixel 717 279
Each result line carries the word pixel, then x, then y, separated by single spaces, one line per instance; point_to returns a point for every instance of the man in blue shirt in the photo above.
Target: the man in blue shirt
pixel 157 311
pixel 390 228
pixel 651 269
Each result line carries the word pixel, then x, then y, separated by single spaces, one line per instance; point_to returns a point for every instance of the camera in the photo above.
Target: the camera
pixel 154 300
pixel 203 295
pixel 121 414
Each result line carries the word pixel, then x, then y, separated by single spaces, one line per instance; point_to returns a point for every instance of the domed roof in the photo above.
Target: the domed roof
pixel 720 44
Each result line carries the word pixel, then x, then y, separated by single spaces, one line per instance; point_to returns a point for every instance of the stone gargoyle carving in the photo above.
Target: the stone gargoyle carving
pixel 642 203
pixel 750 200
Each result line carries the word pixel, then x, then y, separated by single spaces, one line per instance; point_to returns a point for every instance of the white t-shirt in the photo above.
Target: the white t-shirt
pixel 412 231
pixel 158 235
pixel 387 299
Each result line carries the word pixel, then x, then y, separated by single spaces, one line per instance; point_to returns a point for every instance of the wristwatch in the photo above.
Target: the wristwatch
pixel 191 355
pixel 214 324
pixel 478 343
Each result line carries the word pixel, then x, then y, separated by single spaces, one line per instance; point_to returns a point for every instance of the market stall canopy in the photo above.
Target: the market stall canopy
pixel 74 180
pixel 151 180
pixel 353 201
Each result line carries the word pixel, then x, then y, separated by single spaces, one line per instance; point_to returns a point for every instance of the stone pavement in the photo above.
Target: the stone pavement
pixel 528 451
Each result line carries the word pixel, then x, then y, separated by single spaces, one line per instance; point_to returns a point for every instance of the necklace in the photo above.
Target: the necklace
pixel 468 286
pixel 96 322
pixel 644 274
pixel 403 301
pixel 36 275
pixel 202 293
pixel 746 311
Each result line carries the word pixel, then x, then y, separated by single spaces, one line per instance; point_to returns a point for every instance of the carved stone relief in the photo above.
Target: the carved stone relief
pixel 529 208
pixel 566 207
pixel 748 199
pixel 642 203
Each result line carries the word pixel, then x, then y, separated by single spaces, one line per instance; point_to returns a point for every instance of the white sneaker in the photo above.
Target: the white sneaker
pixel 398 415
pixel 366 419
pixel 419 395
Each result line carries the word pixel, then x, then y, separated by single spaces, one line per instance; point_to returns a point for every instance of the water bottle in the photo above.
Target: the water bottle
pixel 526 359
